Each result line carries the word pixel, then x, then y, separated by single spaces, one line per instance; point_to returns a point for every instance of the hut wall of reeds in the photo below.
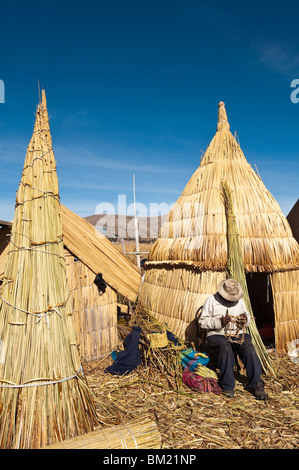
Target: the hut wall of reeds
pixel 285 287
pixel 95 315
pixel 190 256
pixel 178 294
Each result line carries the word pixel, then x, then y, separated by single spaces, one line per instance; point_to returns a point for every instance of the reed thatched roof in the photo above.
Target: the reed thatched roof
pixel 195 230
pixel 93 249
pixel 99 254
pixel 293 219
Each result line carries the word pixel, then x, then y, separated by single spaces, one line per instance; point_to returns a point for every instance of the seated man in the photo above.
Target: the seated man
pixel 224 317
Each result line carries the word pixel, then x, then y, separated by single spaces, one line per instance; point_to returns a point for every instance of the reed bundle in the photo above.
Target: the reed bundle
pixel 94 250
pixel 235 269
pixel 44 396
pixel 141 433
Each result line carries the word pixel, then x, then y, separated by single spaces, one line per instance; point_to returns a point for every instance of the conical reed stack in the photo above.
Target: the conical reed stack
pixel 44 397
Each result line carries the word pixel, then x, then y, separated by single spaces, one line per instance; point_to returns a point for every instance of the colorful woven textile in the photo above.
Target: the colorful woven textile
pixel 200 384
pixel 193 358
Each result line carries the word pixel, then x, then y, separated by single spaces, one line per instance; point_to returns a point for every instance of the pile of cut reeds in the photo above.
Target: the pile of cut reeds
pixel 44 396
pixel 165 359
pixel 235 268
pixel 193 420
pixel 141 433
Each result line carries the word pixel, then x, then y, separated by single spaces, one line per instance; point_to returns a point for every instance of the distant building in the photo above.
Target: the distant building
pixel 293 219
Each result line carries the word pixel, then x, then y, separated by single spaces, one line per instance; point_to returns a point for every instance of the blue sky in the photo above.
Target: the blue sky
pixel 133 88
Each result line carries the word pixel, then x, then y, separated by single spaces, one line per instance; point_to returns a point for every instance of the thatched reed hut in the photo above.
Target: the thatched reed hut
pixel 189 258
pixel 88 253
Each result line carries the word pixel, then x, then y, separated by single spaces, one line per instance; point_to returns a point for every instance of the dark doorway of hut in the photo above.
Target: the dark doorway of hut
pixel 261 298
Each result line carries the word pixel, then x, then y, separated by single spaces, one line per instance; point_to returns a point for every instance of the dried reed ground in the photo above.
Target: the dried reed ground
pixel 190 420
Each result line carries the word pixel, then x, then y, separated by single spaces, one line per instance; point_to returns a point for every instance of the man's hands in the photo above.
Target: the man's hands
pixel 240 321
pixel 225 320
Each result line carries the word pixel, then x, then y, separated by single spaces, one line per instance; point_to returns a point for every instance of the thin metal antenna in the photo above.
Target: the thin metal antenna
pixel 137 253
pixel 39 91
pixel 136 228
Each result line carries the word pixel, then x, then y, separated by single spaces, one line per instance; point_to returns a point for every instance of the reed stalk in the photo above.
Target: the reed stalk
pixel 235 270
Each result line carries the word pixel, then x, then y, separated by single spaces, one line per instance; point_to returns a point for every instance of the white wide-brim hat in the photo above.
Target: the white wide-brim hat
pixel 230 290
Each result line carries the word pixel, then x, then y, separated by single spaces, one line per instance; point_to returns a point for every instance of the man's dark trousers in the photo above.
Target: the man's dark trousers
pixel 226 360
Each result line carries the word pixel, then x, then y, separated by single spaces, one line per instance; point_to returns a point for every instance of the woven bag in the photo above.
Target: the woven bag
pixel 158 340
